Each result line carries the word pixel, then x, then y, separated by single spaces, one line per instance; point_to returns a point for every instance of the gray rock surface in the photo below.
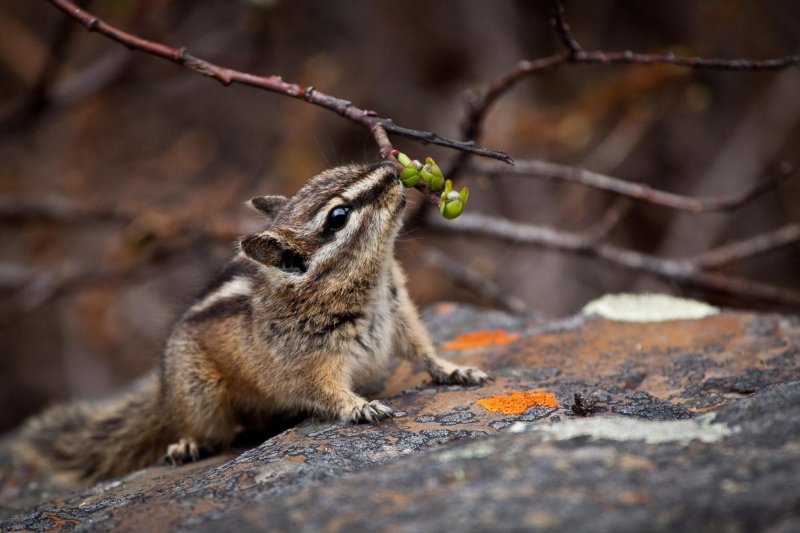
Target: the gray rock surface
pixel 746 477
pixel 696 424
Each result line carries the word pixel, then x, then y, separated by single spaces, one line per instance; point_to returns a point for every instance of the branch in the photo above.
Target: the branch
pixel 378 126
pixel 747 248
pixel 564 33
pixel 478 104
pixel 533 168
pixel 609 220
pixel 678 270
pixel 628 57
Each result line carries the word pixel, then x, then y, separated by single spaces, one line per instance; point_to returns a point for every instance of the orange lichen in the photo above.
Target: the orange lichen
pixel 514 402
pixel 480 338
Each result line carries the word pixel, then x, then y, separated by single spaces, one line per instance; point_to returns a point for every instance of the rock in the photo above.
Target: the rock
pixel 597 474
pixel 695 422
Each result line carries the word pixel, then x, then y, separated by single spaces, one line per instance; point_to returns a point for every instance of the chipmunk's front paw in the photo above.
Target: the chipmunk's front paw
pixel 183 451
pixel 369 412
pixel 459 375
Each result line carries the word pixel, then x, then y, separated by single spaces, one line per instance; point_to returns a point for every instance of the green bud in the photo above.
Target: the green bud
pixel 432 175
pixel 404 160
pixel 452 203
pixel 409 177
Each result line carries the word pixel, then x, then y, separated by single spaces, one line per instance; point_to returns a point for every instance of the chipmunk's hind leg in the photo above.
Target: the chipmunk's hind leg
pixel 201 412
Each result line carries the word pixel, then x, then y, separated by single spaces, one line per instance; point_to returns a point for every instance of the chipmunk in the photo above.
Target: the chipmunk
pixel 307 312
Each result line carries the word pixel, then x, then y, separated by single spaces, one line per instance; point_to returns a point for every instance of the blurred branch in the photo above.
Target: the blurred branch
pixel 93 78
pixel 148 236
pixel 378 126
pixel 747 248
pixel 472 280
pixel 62 211
pixel 43 287
pixel 141 225
pixel 478 104
pixel 148 243
pixel 533 168
pixel 37 98
pixel 688 271
pixel 609 220
pixel 563 30
pixel 13 276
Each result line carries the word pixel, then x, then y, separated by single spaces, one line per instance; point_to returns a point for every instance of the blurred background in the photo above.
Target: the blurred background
pixel 123 175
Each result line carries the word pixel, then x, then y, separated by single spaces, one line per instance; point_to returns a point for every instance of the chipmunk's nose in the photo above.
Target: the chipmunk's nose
pixel 382 164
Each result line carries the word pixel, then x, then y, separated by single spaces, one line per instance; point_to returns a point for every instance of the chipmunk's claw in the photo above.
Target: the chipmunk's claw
pixel 370 412
pixel 183 451
pixel 460 375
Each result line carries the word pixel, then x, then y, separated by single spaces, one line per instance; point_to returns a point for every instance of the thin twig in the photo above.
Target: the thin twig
pixel 645 193
pixel 377 125
pixel 611 217
pixel 563 30
pixel 478 104
pixel 677 270
pixel 628 57
pixel 747 248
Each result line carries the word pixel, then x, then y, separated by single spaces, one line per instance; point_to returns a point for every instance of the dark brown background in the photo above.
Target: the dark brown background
pixel 135 132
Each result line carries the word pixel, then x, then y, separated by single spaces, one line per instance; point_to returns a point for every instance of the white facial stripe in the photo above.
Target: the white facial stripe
pixel 363 185
pixel 230 289
pixel 341 238
pixel 318 222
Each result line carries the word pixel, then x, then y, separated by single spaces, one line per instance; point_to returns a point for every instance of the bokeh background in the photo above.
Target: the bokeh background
pixel 122 176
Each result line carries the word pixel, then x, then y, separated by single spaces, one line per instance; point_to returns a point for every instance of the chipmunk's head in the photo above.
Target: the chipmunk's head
pixel 339 227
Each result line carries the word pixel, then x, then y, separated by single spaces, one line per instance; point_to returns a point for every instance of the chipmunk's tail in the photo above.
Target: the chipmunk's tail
pixel 88 442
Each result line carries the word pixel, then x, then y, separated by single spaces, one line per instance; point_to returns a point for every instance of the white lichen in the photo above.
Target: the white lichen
pixel 701 428
pixel 473 452
pixel 648 308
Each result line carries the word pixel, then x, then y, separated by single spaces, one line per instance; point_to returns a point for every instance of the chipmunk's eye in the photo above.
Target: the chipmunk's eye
pixel 337 218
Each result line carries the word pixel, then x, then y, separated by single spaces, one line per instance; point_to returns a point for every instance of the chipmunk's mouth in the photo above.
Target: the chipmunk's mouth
pixel 394 187
pixel 400 205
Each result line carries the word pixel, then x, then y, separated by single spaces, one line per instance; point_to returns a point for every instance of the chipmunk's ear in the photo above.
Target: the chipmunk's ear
pixel 272 251
pixel 266 205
